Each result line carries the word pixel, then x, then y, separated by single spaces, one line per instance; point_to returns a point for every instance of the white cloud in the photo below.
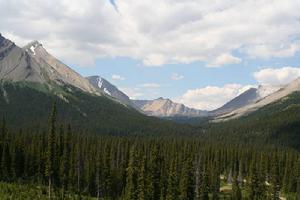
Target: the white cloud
pixel 176 77
pixel 156 32
pixel 150 85
pixel 276 77
pixel 117 77
pixel 211 97
pixel 133 93
pixel 224 59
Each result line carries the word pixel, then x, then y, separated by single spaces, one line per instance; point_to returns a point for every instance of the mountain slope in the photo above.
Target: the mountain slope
pixel 34 64
pixel 27 105
pixel 242 100
pixel 277 122
pixel 294 86
pixel 111 90
pixel 31 80
pixel 166 108
pixel 248 97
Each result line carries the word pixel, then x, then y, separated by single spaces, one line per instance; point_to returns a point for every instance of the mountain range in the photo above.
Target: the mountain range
pixel 33 68
pixel 31 79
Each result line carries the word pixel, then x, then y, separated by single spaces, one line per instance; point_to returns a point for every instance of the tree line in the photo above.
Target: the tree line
pixel 141 167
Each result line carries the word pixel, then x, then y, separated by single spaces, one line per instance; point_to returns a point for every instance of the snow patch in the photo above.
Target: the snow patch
pixel 106 91
pixel 100 82
pixel 32 48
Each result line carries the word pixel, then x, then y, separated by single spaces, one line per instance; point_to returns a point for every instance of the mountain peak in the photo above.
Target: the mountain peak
pixel 31 46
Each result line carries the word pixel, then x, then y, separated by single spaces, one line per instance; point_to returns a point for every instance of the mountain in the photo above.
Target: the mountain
pixel 248 97
pixel 33 63
pixel 111 90
pixel 290 88
pixel 31 80
pixel 166 108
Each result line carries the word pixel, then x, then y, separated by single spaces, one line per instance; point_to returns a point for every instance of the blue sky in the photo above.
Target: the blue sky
pixel 201 53
pixel 194 75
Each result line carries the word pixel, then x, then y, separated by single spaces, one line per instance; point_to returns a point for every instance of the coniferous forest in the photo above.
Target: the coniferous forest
pixel 67 164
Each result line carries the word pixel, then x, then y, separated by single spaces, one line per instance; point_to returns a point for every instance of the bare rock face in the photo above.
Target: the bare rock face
pixel 34 64
pixel 166 108
pixel 283 92
pixel 248 97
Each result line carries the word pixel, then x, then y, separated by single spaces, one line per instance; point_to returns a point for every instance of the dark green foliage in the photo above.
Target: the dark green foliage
pixel 26 105
pixel 236 190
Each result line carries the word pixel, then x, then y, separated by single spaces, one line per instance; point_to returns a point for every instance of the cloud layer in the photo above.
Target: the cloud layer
pixel 156 32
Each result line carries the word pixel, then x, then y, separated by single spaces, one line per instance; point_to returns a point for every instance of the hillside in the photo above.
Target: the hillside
pixel 28 104
pixel 277 122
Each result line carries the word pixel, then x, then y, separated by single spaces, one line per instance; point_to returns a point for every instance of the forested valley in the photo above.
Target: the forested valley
pixel 71 164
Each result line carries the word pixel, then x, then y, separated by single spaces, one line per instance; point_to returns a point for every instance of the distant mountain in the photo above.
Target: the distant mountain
pixel 166 108
pixel 282 93
pixel 111 90
pixel 248 97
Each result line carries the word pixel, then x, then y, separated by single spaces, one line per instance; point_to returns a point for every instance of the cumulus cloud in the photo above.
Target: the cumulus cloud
pixel 156 32
pixel 117 77
pixel 224 59
pixel 211 97
pixel 277 77
pixel 176 77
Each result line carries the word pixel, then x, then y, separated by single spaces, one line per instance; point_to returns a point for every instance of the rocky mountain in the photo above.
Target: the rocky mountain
pixel 111 90
pixel 34 64
pixel 280 94
pixel 248 97
pixel 31 80
pixel 166 108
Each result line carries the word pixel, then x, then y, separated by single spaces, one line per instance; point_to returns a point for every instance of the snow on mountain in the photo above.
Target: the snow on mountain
pixel 166 108
pixel 111 90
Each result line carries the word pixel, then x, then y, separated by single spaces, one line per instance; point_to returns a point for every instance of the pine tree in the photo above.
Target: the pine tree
pixel 275 179
pixel 65 160
pixel 50 154
pixel 236 191
pixel 172 184
pixel 142 180
pixel 154 175
pixel 298 179
pixel 204 186
pixel 257 190
pixel 186 185
pixel 131 182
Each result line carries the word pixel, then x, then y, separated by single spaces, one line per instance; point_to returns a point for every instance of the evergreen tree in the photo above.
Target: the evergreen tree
pixel 131 182
pixel 141 186
pixel 186 186
pixel 50 154
pixel 204 186
pixel 172 184
pixel 236 191
pixel 275 179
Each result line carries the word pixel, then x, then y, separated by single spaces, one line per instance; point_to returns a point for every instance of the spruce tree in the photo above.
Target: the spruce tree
pixel 204 186
pixel 275 179
pixel 172 184
pixel 131 182
pixel 50 154
pixel 236 190
pixel 141 186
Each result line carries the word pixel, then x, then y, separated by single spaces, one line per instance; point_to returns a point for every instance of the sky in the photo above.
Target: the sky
pixel 198 52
